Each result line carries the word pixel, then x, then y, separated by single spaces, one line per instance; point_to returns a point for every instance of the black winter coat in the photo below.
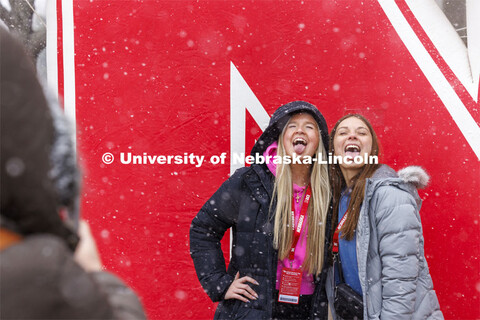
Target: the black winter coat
pixel 242 203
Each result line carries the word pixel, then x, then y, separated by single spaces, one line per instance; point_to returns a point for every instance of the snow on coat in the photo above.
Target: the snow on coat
pixel 242 203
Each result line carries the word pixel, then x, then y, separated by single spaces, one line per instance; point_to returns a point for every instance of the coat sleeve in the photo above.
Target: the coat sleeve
pixel 123 300
pixel 218 214
pixel 399 240
pixel 42 280
pixel 96 292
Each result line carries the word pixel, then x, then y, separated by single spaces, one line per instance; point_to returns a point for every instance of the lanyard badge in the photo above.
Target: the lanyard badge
pixel 291 279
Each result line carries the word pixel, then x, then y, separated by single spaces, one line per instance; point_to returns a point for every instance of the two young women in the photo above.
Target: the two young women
pixel 281 221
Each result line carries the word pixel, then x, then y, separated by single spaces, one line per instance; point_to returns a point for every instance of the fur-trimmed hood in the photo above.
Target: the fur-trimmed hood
pixel 414 175
pixel 409 179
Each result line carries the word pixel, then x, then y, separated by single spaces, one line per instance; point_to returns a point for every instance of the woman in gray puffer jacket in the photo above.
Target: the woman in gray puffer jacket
pixel 380 241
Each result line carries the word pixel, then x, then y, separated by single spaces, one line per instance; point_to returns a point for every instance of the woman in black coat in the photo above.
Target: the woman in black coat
pixel 259 204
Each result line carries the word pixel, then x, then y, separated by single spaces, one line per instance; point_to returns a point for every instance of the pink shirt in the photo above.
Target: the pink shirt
pixel 307 286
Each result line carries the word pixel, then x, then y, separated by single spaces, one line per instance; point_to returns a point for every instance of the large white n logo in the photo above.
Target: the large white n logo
pixel 242 98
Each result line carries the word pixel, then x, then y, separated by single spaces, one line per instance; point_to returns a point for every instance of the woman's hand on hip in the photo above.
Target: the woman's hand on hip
pixel 239 289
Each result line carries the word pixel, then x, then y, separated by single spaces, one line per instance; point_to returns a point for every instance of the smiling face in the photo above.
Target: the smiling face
pixel 352 138
pixel 301 135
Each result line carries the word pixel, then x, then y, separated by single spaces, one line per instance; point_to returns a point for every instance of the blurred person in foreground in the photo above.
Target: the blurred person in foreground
pixel 46 271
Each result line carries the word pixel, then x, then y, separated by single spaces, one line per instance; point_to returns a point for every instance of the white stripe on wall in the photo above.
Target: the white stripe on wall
pixel 242 98
pixel 51 48
pixel 68 61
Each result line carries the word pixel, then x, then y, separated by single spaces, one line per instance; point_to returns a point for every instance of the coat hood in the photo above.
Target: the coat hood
pixel 29 201
pixel 280 118
pixel 64 172
pixel 413 178
pixel 414 175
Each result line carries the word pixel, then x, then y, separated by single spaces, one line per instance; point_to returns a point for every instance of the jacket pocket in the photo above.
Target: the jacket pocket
pixel 250 314
pixel 263 280
pixel 374 300
pixel 227 309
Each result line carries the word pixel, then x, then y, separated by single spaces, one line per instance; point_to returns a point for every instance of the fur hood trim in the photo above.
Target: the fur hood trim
pixel 415 175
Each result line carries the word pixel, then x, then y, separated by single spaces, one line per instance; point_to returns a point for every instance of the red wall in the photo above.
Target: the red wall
pixel 154 77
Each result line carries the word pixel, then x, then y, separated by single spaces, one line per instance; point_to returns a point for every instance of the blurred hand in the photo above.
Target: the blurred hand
pixel 86 254
pixel 240 290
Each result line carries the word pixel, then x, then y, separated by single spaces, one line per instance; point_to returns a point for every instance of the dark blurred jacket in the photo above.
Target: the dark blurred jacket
pixel 39 277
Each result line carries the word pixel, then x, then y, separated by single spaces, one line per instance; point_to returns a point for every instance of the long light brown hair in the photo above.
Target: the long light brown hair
pixel 316 214
pixel 338 182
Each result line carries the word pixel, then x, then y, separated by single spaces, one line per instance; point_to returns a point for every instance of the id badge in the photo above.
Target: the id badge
pixel 290 286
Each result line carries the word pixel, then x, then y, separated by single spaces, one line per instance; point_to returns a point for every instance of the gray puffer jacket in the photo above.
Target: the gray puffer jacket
pixel 392 268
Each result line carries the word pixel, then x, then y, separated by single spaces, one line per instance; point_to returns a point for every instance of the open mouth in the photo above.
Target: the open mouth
pixel 299 145
pixel 352 150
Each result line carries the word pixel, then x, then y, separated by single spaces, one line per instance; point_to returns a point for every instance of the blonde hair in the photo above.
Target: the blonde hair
pixel 317 209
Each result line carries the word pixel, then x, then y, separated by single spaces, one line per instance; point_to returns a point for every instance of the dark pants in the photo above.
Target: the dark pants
pixel 300 311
